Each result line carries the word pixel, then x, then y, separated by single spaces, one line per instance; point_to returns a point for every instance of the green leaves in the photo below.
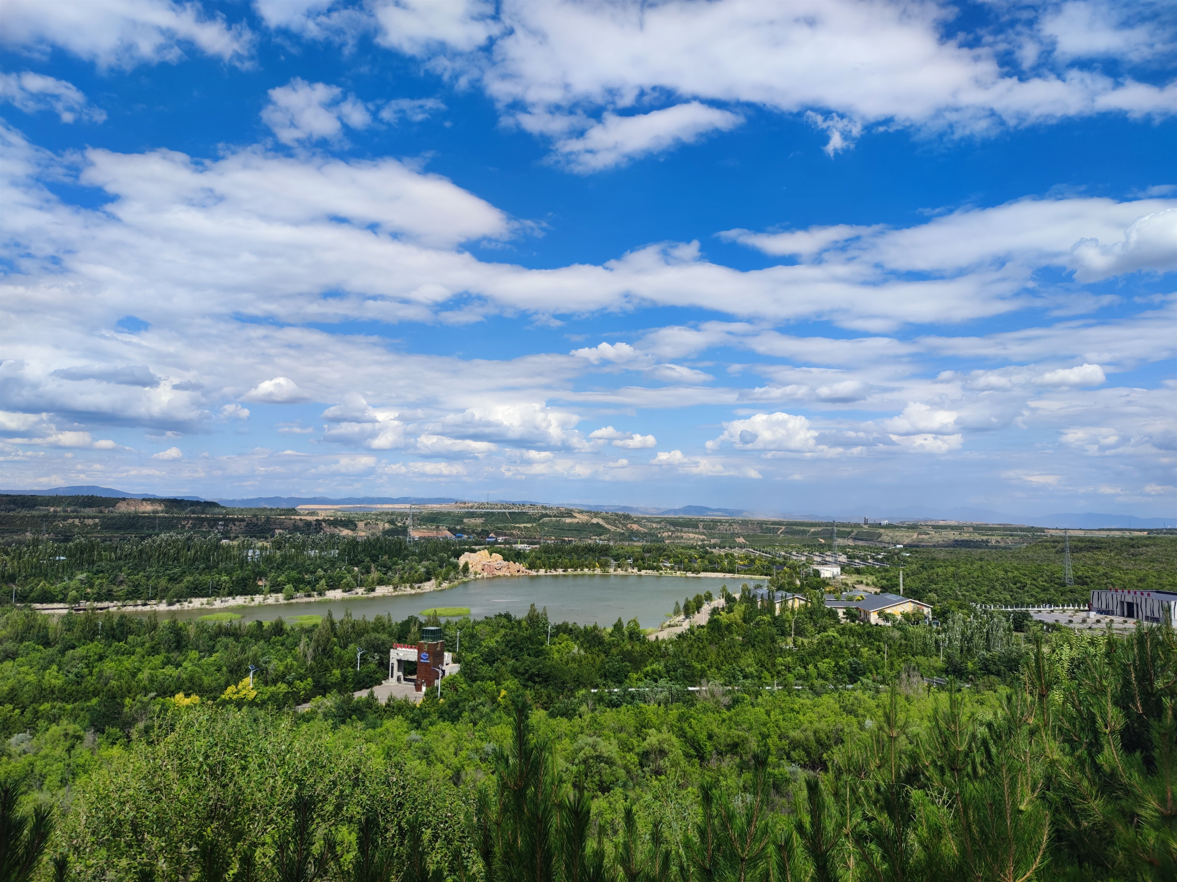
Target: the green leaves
pixel 24 836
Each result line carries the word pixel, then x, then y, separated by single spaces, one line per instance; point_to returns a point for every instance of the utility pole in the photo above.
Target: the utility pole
pixel 549 643
pixel 835 523
pixel 458 648
pixel 1068 576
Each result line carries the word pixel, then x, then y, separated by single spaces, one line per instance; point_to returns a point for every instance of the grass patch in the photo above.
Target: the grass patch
pixel 440 611
pixel 307 621
pixel 220 617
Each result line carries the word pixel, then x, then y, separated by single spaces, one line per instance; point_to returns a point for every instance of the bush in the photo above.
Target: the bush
pixel 288 592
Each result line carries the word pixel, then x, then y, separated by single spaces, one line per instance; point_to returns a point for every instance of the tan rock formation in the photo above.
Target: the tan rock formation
pixel 486 563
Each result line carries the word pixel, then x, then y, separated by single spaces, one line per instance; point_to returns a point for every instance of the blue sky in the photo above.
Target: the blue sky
pixel 823 257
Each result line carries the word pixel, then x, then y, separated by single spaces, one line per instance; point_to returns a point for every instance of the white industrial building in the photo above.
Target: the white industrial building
pixel 1144 606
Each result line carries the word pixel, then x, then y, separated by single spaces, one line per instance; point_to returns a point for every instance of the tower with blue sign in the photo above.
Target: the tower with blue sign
pixel 430 657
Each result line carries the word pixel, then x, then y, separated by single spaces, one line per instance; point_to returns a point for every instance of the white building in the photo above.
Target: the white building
pixel 1144 606
pixel 828 571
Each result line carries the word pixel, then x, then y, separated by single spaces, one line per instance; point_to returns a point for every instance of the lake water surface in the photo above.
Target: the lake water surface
pixel 581 599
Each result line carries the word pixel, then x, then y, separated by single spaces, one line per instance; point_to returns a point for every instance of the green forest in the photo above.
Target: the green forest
pixel 761 746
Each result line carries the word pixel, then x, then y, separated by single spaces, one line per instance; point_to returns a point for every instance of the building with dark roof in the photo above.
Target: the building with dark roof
pixel 780 599
pixel 870 608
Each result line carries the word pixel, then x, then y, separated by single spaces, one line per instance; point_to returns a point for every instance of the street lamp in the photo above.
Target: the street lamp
pixel 359 652
pixel 252 670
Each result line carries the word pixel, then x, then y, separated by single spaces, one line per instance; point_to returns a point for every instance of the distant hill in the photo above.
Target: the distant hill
pixel 59 502
pixel 94 490
pixel 1077 521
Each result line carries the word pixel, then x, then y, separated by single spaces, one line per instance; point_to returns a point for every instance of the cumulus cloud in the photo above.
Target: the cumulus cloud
pixel 612 353
pixel 768 431
pixel 519 425
pixel 1081 375
pixel 920 419
pixel 617 139
pixel 172 453
pixel 32 92
pixel 302 111
pixel 1149 244
pixel 417 27
pixel 845 64
pixel 280 390
pixel 122 34
pixel 803 243
pixel 1096 28
pixel 842 132
pixel 626 440
pixel 234 412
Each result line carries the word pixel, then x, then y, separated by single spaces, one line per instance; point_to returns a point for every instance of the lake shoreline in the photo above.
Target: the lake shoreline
pixel 227 604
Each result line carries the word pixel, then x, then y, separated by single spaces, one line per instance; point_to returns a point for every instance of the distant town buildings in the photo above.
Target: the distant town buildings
pixel 870 608
pixel 1144 606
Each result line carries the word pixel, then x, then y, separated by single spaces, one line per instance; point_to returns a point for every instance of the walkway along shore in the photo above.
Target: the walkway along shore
pixel 276 598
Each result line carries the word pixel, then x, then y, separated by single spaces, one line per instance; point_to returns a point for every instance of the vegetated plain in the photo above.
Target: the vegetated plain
pixel 760 746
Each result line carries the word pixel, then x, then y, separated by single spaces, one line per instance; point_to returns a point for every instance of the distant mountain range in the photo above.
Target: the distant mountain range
pixel 1076 521
pixel 94 490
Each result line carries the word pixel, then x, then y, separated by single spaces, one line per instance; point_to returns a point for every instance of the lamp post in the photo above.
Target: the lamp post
pixel 252 670
pixel 359 652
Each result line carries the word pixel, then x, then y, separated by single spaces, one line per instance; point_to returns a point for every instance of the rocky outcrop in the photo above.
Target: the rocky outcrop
pixel 486 563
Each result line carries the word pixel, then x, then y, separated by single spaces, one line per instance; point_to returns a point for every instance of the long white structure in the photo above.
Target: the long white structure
pixel 1144 606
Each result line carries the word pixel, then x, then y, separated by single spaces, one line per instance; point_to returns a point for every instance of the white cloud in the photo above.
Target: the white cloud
pixel 848 64
pixel 920 419
pixel 929 443
pixel 417 27
pixel 517 425
pixel 702 465
pixel 280 390
pixel 1095 28
pixel 842 132
pixel 430 444
pixel 302 111
pixel 1042 480
pixel 617 139
pixel 801 242
pixel 172 453
pixel 347 465
pixel 425 469
pixel 626 440
pixel 32 92
pixel 1149 244
pixel 768 431
pixel 612 353
pixel 412 109
pixel 234 412
pixel 1082 375
pixel 121 33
